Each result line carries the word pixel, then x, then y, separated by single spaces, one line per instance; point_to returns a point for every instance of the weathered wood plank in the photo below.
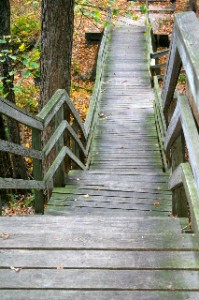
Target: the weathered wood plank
pixel 159 53
pixel 100 295
pixel 183 175
pixel 90 118
pixel 20 150
pixel 10 183
pixel 171 76
pixel 191 135
pixel 54 138
pixel 101 279
pixel 98 259
pixel 81 240
pixel 173 131
pixel 187 28
pixel 52 107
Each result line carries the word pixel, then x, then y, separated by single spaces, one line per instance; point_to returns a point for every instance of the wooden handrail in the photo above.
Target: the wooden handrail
pixel 183 176
pixel 178 114
pixel 93 107
pixel 183 51
pixel 79 137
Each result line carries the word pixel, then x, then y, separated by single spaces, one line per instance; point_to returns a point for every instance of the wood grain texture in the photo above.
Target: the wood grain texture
pixel 99 295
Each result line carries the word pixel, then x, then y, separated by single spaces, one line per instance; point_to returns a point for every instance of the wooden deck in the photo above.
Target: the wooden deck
pixel 109 233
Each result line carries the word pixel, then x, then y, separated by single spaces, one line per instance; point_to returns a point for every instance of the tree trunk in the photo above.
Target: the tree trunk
pixel 17 163
pixel 56 47
pixel 56 54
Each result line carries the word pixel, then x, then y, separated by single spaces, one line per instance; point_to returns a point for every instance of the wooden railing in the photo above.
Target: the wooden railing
pixel 177 117
pixel 70 140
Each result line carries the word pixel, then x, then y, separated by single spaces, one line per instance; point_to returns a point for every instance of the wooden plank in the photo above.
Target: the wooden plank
pixel 52 107
pixel 159 102
pixel 173 131
pixel 98 259
pixel 159 54
pixel 109 184
pixel 100 279
pixel 76 116
pixel 101 295
pixel 48 177
pixel 112 191
pixel 82 211
pixel 160 137
pixel 75 138
pixel 183 175
pixel 11 110
pixel 90 118
pixel 20 150
pixel 54 138
pixel 191 135
pixel 187 42
pixel 25 223
pixel 171 76
pixel 21 184
pixel 131 196
pixel 71 240
pixel 38 170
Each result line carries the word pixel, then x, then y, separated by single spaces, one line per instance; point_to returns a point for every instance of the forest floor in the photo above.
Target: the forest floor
pixel 83 63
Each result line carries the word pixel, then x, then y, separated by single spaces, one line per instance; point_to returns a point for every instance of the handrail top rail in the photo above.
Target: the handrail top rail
pixel 185 43
pixel 21 115
pixel 43 118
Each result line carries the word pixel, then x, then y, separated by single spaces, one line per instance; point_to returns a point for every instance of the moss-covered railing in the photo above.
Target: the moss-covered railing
pixel 177 117
pixel 70 140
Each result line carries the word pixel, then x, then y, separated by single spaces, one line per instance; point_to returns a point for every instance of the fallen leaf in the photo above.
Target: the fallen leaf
pixel 4 235
pixel 86 196
pixel 60 268
pixel 15 269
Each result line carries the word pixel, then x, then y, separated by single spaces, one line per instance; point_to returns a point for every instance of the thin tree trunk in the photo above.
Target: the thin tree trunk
pixel 17 163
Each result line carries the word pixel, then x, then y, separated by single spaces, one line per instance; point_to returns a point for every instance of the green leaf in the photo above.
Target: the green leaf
pixel 115 12
pixel 96 16
pixel 36 73
pixel 12 73
pixel 33 65
pixel 143 9
pixel 105 24
pixel 12 57
pixel 16 89
pixel 27 74
pixel 3 41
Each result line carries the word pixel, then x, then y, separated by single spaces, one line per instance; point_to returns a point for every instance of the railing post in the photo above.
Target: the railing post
pixel 174 65
pixel 59 179
pixel 67 141
pixel 75 148
pixel 179 199
pixel 37 171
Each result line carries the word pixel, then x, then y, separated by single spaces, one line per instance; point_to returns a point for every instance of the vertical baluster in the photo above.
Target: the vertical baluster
pixel 179 200
pixel 59 179
pixel 75 148
pixel 37 171
pixel 67 141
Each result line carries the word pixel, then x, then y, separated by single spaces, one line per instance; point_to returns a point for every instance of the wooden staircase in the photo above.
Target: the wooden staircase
pixel 109 233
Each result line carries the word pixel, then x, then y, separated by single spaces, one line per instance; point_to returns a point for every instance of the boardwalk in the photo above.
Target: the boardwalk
pixel 108 234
